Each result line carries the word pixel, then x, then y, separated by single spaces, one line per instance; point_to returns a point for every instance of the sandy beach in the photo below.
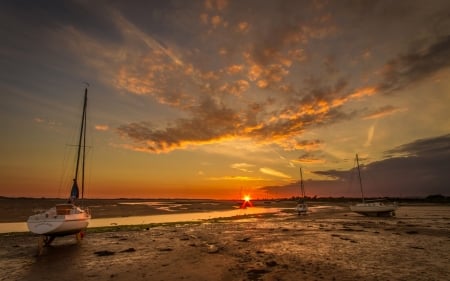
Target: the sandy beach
pixel 331 243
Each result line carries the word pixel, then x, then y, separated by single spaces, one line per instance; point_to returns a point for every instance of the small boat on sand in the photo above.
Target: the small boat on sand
pixel 67 218
pixel 301 207
pixel 372 207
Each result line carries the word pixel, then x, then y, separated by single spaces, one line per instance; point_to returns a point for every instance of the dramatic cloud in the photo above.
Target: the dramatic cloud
pixel 421 171
pixel 431 147
pixel 211 122
pixel 259 89
pixel 412 67
pixel 317 106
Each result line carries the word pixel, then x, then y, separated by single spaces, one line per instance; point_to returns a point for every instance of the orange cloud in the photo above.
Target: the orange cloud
pixel 235 69
pixel 216 21
pixel 236 88
pixel 359 93
pixel 243 27
pixel 368 91
pixel 255 72
pixel 182 79
pixel 262 84
pixel 101 127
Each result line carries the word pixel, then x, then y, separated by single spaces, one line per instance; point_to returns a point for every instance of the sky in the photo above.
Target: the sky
pixel 217 98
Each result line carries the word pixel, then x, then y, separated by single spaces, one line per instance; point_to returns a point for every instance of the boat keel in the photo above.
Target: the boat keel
pixel 46 241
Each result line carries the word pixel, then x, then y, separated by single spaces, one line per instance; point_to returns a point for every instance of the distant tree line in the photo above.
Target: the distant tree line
pixel 434 198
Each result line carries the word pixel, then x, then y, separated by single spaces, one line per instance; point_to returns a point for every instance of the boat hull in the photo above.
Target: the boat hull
pixel 301 209
pixel 57 222
pixel 374 209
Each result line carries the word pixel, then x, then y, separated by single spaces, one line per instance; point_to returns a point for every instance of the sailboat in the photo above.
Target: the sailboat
pixel 301 208
pixel 373 207
pixel 67 218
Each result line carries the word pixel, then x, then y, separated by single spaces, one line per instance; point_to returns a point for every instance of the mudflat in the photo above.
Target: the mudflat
pixel 330 243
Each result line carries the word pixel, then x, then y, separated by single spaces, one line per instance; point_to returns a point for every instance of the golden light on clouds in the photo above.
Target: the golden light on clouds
pixel 235 69
pixel 244 167
pixel 262 84
pixel 275 173
pixel 243 26
pixel 253 90
pixel 101 127
pixel 216 21
pixel 255 72
pixel 368 91
pixel 235 178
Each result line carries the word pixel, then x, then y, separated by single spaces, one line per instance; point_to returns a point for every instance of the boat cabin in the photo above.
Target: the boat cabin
pixel 64 209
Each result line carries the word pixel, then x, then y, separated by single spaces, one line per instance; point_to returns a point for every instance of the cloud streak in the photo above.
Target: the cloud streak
pixel 274 173
pixel 244 167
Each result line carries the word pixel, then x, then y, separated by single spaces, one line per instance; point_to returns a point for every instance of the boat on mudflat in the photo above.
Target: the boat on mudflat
pixel 60 220
pixel 66 218
pixel 302 207
pixel 373 207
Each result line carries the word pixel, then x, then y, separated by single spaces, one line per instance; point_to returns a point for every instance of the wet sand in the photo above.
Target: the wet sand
pixel 330 243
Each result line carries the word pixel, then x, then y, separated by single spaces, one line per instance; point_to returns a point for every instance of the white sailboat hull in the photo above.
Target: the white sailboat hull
pixel 61 220
pixel 301 209
pixel 374 208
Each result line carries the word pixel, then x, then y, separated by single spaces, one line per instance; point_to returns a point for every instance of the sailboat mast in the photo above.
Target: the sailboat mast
pixel 82 138
pixel 84 143
pixel 302 188
pixel 359 176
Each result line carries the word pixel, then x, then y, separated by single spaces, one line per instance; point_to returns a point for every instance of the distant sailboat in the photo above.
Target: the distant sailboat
pixel 68 218
pixel 301 208
pixel 372 208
